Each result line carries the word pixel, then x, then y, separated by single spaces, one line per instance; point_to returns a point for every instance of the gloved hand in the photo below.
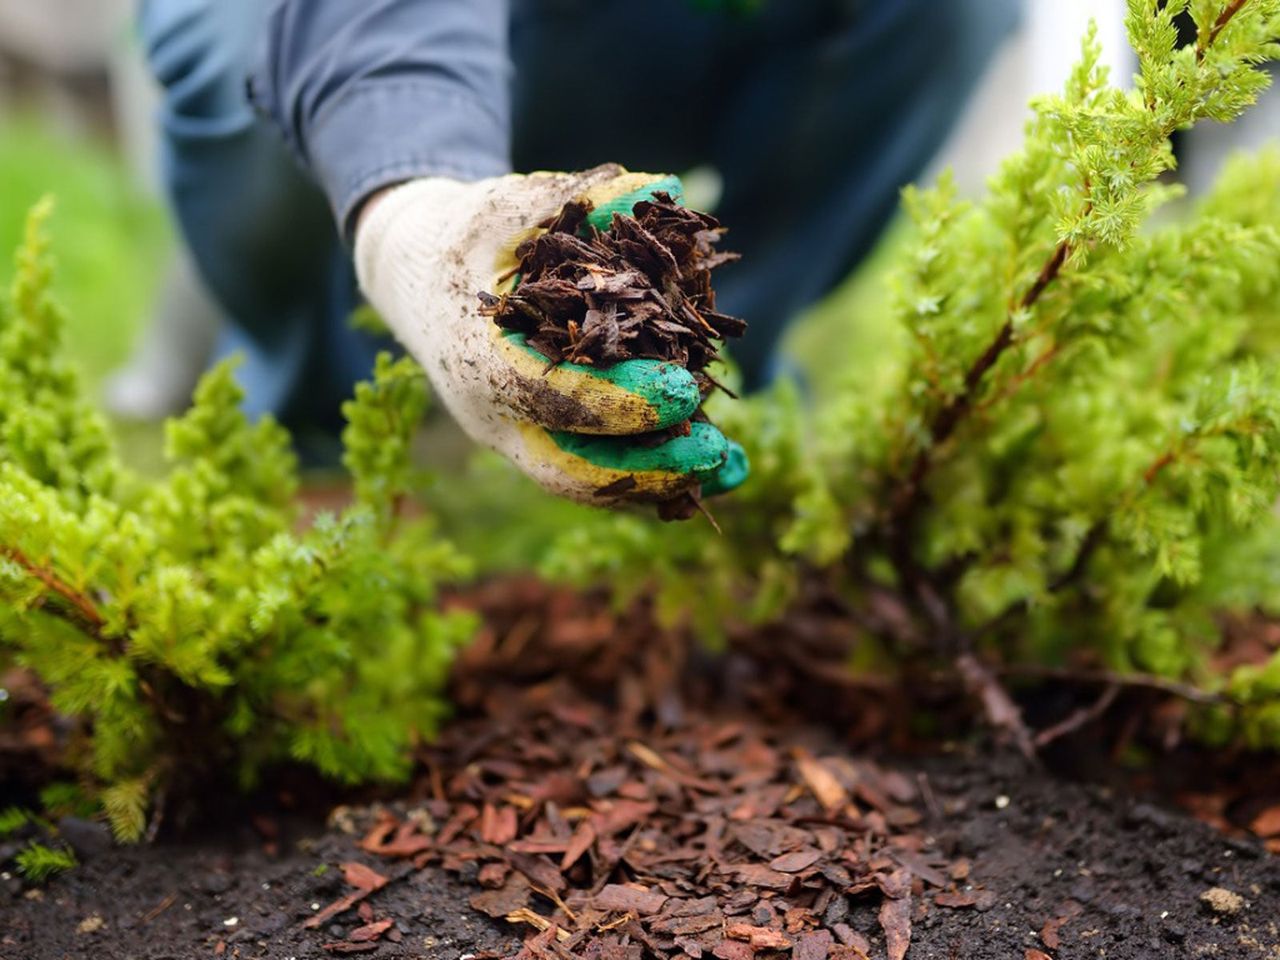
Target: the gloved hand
pixel 423 252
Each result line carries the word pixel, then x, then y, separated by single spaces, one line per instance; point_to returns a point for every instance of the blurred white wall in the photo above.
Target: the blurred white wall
pixel 77 63
pixel 1037 59
pixel 66 36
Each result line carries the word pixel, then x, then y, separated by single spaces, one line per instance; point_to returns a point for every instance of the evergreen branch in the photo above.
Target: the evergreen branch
pixel 1017 381
pixel 1204 43
pixel 952 413
pixel 86 613
pixel 945 421
pixel 1152 472
pixel 1093 539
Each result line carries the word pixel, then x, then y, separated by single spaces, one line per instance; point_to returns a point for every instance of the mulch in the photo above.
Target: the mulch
pixel 641 288
pixel 646 827
pixel 611 799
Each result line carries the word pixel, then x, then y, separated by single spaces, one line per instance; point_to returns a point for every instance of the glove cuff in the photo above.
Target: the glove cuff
pixel 399 229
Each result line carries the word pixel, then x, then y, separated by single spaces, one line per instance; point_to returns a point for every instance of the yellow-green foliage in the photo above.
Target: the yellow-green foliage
pixel 39 863
pixel 1070 438
pixel 192 623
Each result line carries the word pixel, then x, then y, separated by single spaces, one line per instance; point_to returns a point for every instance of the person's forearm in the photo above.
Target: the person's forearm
pixel 372 93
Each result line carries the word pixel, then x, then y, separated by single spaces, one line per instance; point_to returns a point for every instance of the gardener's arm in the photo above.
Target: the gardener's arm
pixel 406 102
pixel 376 92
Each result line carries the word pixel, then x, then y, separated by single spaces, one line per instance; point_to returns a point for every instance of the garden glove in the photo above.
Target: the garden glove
pixel 423 252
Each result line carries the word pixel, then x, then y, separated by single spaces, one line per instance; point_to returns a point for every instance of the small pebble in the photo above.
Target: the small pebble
pixel 1221 900
pixel 91 924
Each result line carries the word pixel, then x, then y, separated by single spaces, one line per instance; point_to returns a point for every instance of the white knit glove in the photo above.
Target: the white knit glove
pixel 424 251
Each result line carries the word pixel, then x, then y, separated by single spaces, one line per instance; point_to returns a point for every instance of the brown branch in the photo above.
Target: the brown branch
pixel 1080 718
pixel 952 413
pixel 1017 380
pixel 1204 43
pixel 1133 681
pixel 83 606
pixel 1149 475
pixel 900 523
pixel 1001 711
pixel 1048 273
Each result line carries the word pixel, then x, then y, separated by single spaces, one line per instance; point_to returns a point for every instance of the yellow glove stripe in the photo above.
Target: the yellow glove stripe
pixel 590 477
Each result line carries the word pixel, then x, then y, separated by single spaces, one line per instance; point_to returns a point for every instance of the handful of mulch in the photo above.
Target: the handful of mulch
pixel 640 289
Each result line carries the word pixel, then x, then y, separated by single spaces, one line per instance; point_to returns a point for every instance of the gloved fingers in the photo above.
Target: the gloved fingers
pixel 634 396
pixel 613 470
pixel 731 475
pixel 621 194
pixel 608 187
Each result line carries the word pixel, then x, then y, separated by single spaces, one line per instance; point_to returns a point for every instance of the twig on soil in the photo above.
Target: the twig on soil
pixel 1080 718
pixel 1003 714
pixel 1137 681
pixel 158 909
pixel 930 799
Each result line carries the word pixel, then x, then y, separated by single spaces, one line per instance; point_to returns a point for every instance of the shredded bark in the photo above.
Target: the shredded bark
pixel 642 288
pixel 596 797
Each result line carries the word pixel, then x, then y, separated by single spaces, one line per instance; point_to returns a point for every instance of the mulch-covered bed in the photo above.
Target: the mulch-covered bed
pixel 608 792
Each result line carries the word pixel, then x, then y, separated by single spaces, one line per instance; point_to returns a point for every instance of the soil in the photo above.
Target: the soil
pixel 1129 874
pixel 970 850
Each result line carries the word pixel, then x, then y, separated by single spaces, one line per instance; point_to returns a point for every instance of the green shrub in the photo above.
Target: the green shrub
pixel 191 623
pixel 1068 441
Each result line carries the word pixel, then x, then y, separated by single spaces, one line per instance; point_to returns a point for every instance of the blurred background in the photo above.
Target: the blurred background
pixel 76 121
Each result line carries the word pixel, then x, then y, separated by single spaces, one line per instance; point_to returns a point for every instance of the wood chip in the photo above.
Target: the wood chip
pixel 795 861
pixel 815 945
pixel 895 920
pixel 507 899
pixel 370 931
pixel 956 900
pixel 1267 823
pixel 826 788
pixel 629 899
pixel 760 938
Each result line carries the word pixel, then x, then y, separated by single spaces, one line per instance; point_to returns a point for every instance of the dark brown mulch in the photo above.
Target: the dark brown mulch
pixel 642 288
pixel 607 792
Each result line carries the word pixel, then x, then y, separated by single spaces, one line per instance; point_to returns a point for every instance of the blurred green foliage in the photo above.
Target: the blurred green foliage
pixel 112 239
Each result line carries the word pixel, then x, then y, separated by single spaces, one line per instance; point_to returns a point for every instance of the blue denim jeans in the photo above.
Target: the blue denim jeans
pixel 814 113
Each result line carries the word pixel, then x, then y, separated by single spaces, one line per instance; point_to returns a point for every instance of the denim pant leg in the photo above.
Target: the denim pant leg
pixel 815 114
pixel 260 232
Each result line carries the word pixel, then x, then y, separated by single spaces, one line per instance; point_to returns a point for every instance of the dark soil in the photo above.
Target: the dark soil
pixel 1130 876
pixel 974 852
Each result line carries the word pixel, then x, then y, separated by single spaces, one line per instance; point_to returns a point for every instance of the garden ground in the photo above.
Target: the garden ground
pixel 609 792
